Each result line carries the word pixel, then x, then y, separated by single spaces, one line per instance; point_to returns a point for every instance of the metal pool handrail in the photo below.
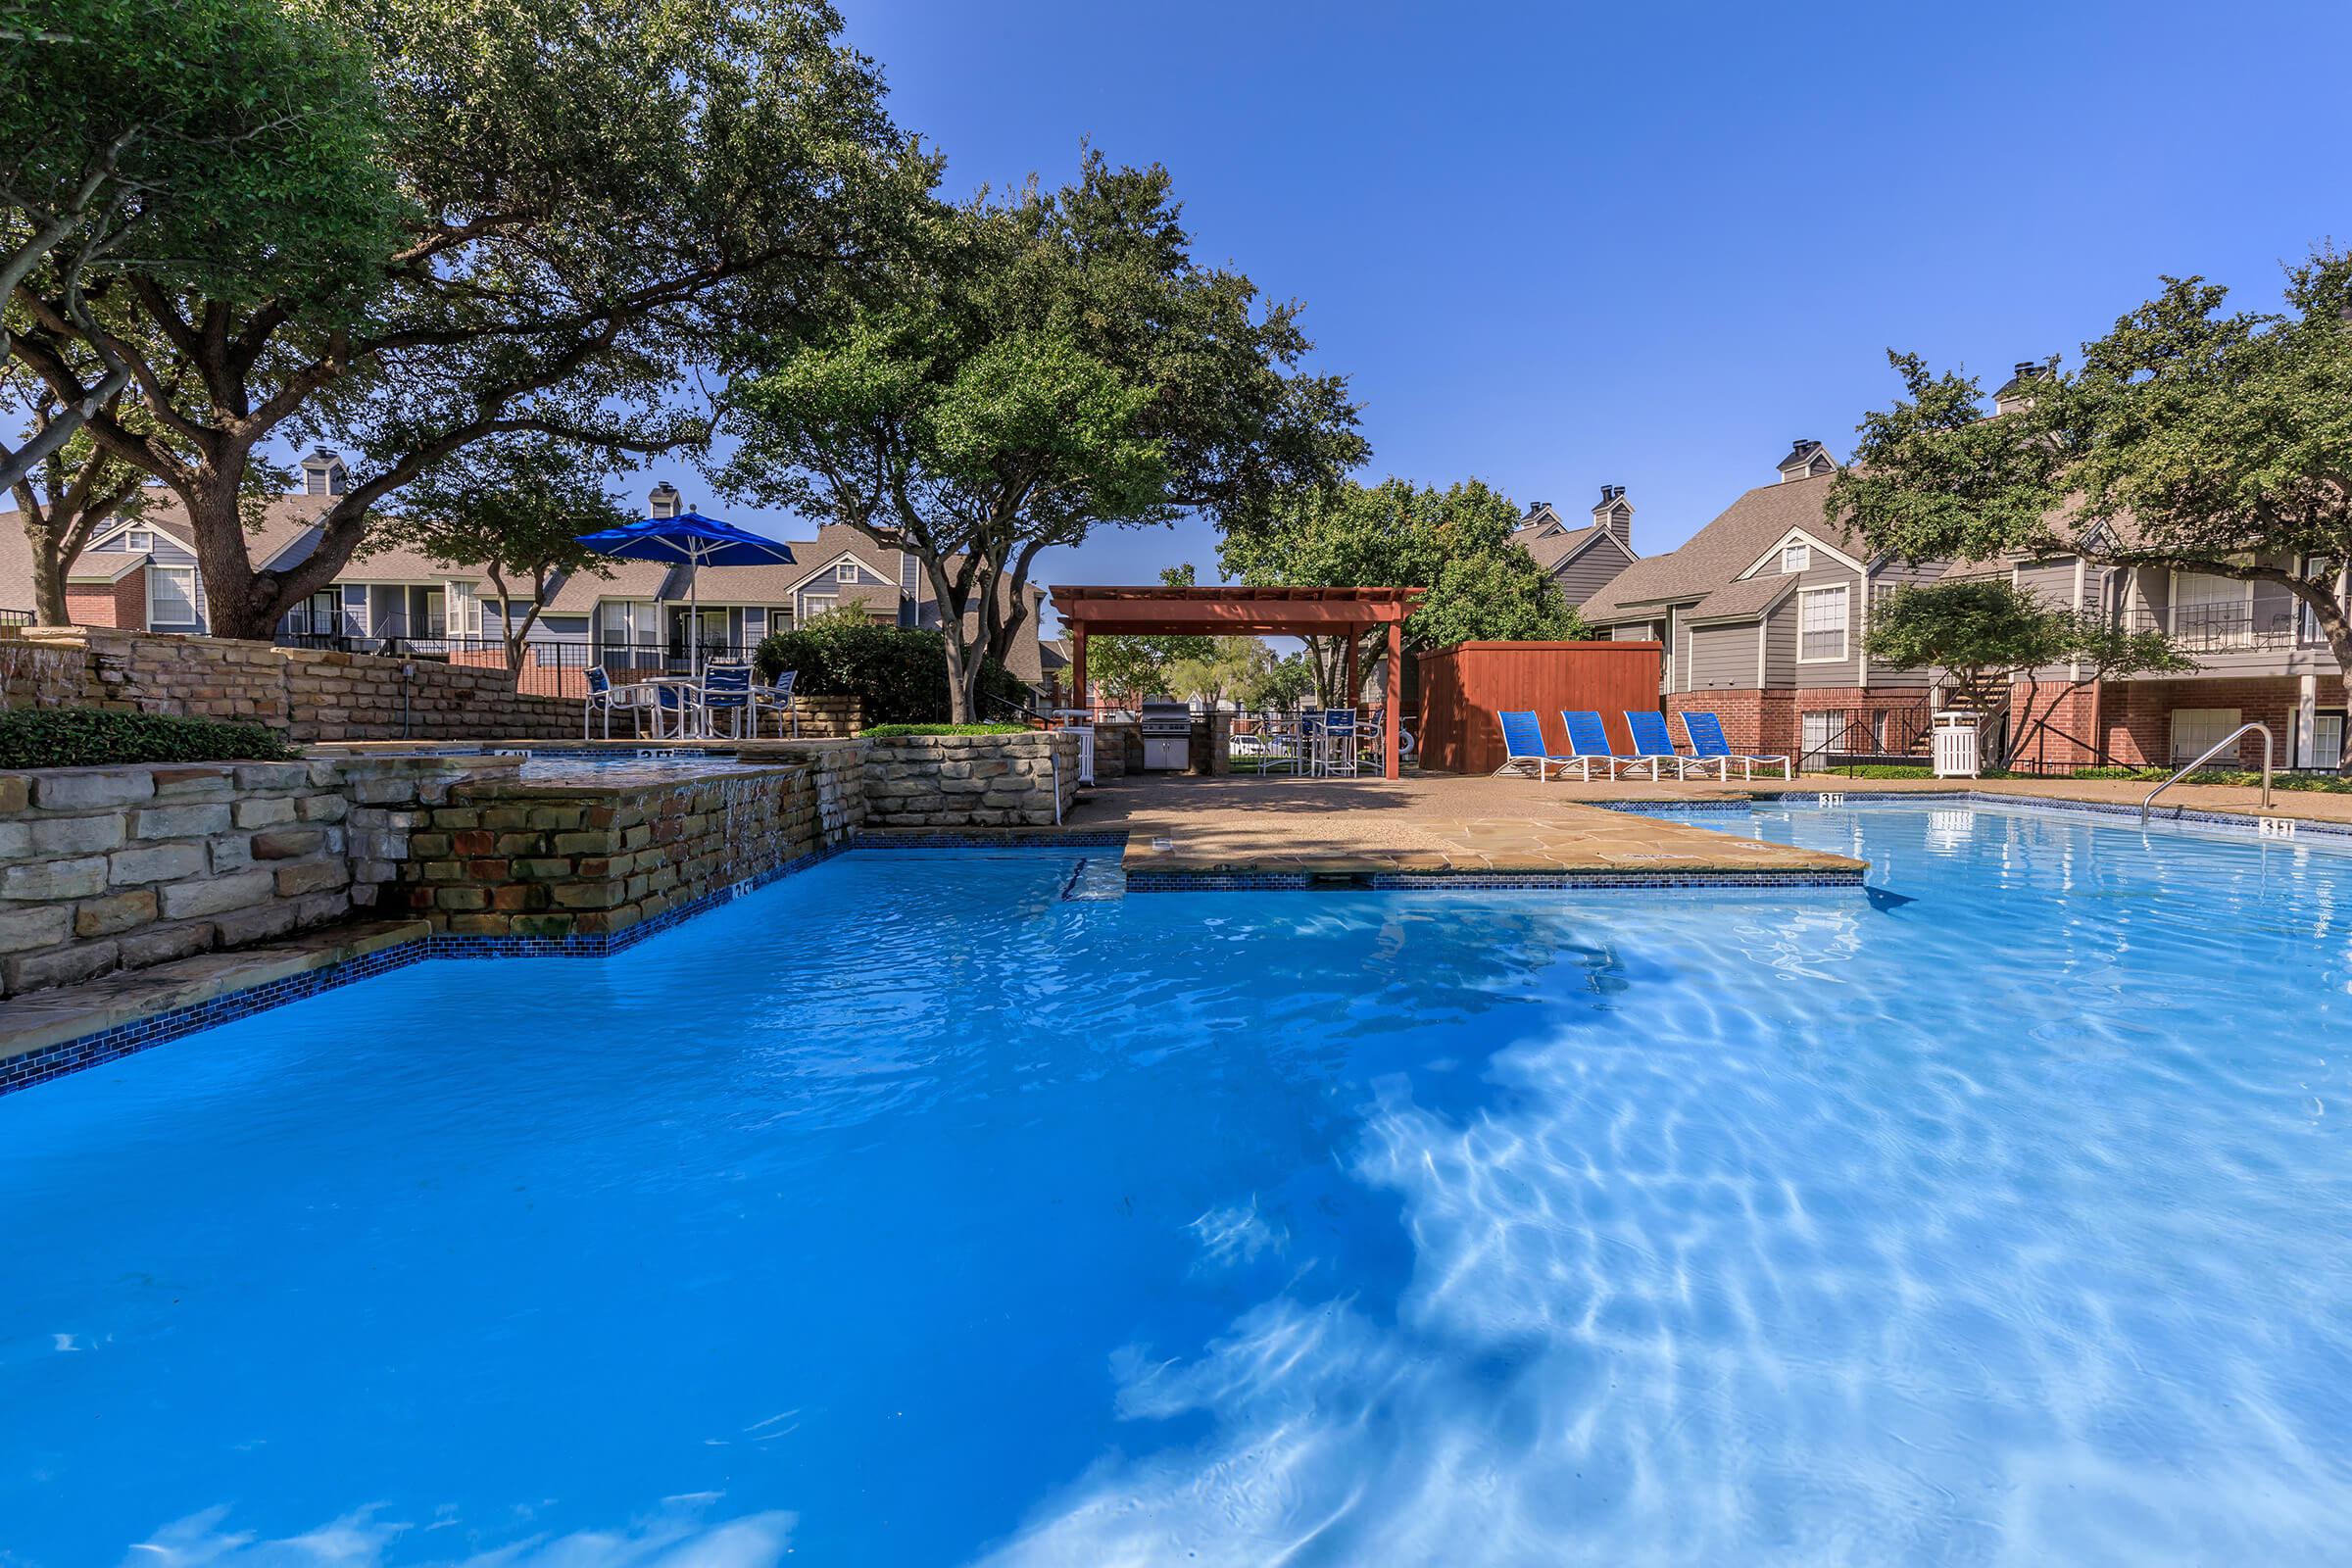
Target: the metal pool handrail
pixel 2229 739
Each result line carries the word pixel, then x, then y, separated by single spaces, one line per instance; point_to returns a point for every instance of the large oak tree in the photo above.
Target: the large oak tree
pixel 591 199
pixel 2192 437
pixel 228 147
pixel 1049 361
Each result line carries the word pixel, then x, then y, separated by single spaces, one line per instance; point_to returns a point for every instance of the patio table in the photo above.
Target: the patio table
pixel 689 707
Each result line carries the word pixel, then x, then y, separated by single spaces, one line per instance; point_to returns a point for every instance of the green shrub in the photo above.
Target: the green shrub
pixel 2315 783
pixel 89 737
pixel 883 732
pixel 899 671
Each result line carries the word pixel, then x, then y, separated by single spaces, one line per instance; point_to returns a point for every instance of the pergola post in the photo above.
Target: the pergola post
pixel 1354 635
pixel 1078 668
pixel 1391 724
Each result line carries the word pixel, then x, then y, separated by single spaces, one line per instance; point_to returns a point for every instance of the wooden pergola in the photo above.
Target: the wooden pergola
pixel 1244 613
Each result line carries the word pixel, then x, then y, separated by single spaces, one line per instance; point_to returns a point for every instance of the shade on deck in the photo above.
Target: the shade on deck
pixel 1244 613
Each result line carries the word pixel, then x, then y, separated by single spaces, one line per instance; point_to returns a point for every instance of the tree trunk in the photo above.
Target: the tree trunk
pixel 963 673
pixel 48 578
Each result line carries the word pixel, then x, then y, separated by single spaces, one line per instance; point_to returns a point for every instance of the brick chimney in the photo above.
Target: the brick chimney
pixel 323 473
pixel 664 500
pixel 1616 513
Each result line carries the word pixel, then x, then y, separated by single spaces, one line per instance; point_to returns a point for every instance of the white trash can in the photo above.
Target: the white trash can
pixel 1956 744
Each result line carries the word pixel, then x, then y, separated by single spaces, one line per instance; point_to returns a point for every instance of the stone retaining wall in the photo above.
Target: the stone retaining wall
pixel 119 867
pixel 593 860
pixel 947 781
pixel 307 694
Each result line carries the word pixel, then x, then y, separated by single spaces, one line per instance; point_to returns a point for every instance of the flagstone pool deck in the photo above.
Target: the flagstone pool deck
pixel 1180 825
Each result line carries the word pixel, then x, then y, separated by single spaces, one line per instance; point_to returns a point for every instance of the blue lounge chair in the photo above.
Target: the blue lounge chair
pixel 1523 744
pixel 1706 741
pixel 1652 739
pixel 1588 738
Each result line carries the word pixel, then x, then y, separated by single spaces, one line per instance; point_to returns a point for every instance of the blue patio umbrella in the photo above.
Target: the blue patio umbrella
pixel 692 541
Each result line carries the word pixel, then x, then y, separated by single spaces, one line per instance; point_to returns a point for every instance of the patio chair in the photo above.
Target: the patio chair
pixel 727 688
pixel 1651 738
pixel 606 699
pixel 776 699
pixel 1522 743
pixel 1589 737
pixel 676 708
pixel 1707 741
pixel 1335 743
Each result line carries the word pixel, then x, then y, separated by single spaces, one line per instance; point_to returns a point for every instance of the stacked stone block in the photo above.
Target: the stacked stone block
pixel 957 781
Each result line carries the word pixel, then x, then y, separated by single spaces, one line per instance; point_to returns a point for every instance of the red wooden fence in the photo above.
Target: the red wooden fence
pixel 1463 688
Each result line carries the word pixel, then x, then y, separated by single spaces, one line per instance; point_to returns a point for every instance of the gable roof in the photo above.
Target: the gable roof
pixel 1713 557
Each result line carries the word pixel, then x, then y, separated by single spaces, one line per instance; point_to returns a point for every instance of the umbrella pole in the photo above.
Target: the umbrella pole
pixel 694 612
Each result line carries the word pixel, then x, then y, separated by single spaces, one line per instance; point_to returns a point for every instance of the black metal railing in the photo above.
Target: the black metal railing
pixel 2220 629
pixel 18 617
pixel 550 667
pixel 1849 737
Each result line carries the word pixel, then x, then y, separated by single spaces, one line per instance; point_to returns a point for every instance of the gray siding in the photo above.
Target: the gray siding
pixel 1885 577
pixel 1825 573
pixel 1780 647
pixel 1723 657
pixel 1590 570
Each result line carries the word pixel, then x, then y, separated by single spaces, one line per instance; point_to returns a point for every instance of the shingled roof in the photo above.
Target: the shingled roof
pixel 1716 555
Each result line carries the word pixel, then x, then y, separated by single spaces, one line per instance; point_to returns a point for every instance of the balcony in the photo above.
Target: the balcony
pixel 2220 629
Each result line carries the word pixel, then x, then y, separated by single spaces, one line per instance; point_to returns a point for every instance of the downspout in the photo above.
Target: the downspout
pixel 408 673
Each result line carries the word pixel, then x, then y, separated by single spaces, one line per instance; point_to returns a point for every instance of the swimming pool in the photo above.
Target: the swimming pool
pixel 904 1212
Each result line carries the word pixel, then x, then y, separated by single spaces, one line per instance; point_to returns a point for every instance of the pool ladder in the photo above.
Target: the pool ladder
pixel 2206 755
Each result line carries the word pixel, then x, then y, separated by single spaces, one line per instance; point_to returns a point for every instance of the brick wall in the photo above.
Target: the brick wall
pixel 1771 723
pixel 2068 735
pixel 2137 716
pixel 122 603
pixel 951 781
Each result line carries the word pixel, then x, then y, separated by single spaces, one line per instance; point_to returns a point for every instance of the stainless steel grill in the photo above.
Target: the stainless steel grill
pixel 1167 731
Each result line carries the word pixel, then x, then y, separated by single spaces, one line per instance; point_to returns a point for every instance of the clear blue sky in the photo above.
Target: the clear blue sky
pixel 1560 246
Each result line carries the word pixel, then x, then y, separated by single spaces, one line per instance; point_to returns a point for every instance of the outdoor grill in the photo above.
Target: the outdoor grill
pixel 1167 731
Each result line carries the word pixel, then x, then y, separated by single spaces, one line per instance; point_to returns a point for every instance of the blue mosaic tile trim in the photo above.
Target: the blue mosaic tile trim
pixel 91 1050
pixel 1659 807
pixel 446 945
pixel 1614 881
pixel 2249 822
pixel 1006 839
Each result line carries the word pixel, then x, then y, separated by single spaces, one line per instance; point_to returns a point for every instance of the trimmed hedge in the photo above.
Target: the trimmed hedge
pixel 885 732
pixel 901 671
pixel 91 737
pixel 2313 783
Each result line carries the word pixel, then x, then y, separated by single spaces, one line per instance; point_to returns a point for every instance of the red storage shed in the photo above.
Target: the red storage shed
pixel 1463 688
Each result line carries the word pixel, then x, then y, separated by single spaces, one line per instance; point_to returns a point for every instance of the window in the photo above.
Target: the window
pixel 2326 740
pixel 1821 625
pixel 1820 732
pixel 1795 558
pixel 139 541
pixel 2212 612
pixel 846 572
pixel 170 596
pixel 819 605
pixel 2315 569
pixel 2196 730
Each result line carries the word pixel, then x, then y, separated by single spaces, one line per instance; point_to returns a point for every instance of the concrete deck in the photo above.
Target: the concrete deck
pixel 1183 825
pixel 42 1018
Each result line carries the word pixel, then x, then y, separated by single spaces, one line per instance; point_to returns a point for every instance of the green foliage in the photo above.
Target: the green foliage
pixel 1223 668
pixel 1278 684
pixel 2189 437
pixel 1454 542
pixel 2313 783
pixel 1043 363
pixel 90 737
pixel 517 505
pixel 901 671
pixel 594 201
pixel 1979 629
pixel 879 732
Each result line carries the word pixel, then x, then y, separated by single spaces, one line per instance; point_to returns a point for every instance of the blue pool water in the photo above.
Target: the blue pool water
pixel 904 1214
